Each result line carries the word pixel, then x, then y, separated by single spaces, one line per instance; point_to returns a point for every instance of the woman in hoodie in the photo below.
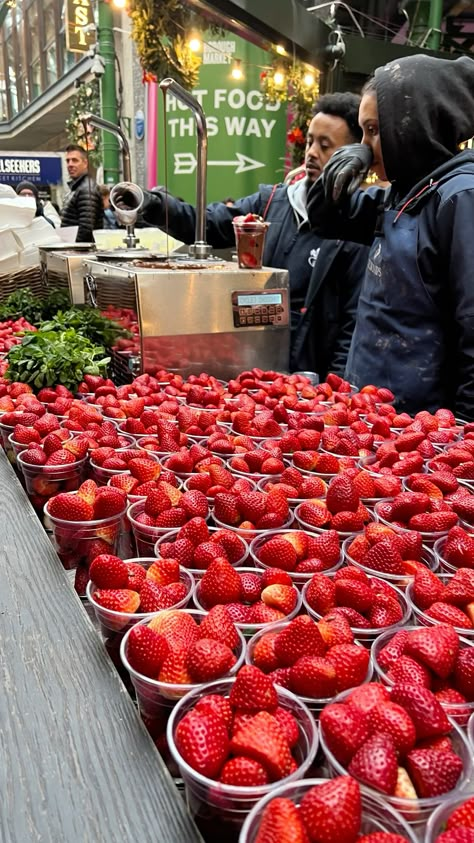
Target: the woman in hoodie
pixel 415 322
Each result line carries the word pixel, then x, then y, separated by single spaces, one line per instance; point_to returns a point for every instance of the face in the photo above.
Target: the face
pixel 326 133
pixel 26 192
pixel 369 123
pixel 76 164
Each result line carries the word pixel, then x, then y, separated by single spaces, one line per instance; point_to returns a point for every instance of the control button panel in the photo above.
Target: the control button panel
pixel 261 308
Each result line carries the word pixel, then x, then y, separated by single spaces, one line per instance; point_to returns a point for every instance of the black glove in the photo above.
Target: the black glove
pixel 126 200
pixel 344 172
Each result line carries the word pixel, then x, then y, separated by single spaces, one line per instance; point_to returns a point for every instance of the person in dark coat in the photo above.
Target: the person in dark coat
pixel 83 204
pixel 415 322
pixel 325 277
pixel 28 188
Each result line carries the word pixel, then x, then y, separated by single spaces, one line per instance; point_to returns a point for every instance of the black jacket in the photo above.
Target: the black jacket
pixel 325 277
pixel 83 207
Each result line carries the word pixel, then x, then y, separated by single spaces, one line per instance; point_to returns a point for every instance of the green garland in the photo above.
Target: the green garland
pixel 86 99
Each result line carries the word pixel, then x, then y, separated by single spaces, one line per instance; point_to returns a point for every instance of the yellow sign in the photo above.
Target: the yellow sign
pixel 79 15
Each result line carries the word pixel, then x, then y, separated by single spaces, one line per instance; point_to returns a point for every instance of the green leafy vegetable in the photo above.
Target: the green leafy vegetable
pixel 33 308
pixel 88 322
pixel 47 358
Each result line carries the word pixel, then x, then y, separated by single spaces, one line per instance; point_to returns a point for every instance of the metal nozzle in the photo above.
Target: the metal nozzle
pixel 107 126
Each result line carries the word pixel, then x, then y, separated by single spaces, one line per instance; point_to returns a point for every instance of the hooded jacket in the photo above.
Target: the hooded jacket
pixel 325 276
pixel 83 207
pixel 415 322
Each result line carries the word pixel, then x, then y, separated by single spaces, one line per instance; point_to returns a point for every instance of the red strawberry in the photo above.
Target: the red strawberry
pixel 216 705
pixel 351 663
pixel 253 691
pixel 407 670
pixel 436 647
pixel 301 637
pixel 209 659
pixel 272 576
pixel 433 772
pixel 427 588
pixel 218 625
pixel 118 599
pixel 464 672
pixel 263 655
pixel 321 594
pixel 369 696
pixel 281 597
pixel 278 553
pixel 391 719
pixel 289 725
pixel 424 709
pixel 381 837
pixel 196 531
pixel 451 615
pixel 456 835
pixel 136 576
pixel 251 587
pixel 243 772
pixel 341 495
pixel 375 764
pixel 313 676
pixel 146 650
pixel 109 502
pixel 69 507
pixel 195 504
pixel 335 629
pixel 281 823
pixel 332 812
pixel 325 547
pixel 385 611
pixel 384 557
pixel 220 584
pixel 345 728
pixel 225 508
pixel 108 571
pixel 356 595
pixel 263 739
pixel 202 741
pixel 462 816
pixel 231 543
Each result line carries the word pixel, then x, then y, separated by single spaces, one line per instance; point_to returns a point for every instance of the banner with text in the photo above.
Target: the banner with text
pixel 246 135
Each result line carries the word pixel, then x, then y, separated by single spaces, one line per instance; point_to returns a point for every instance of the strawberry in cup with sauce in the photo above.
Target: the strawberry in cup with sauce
pixel 250 231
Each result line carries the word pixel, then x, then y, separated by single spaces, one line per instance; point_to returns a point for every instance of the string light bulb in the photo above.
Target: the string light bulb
pixel 195 41
pixel 309 79
pixel 279 78
pixel 280 50
pixel 237 73
pixel 119 4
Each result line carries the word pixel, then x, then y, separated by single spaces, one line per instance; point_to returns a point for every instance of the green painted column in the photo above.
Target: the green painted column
pixel 434 24
pixel 110 147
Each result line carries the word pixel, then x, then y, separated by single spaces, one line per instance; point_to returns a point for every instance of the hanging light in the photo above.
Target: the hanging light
pixel 280 50
pixel 195 41
pixel 309 78
pixel 237 73
pixel 119 4
pixel 279 78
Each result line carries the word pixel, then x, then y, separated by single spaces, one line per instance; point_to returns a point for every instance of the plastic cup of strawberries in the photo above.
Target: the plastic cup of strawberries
pixel 400 744
pixel 270 750
pixel 299 553
pixel 438 659
pixel 397 569
pixel 340 806
pixel 149 522
pixel 452 821
pixel 370 604
pixel 426 517
pixel 47 473
pixel 450 600
pixel 456 550
pixel 196 549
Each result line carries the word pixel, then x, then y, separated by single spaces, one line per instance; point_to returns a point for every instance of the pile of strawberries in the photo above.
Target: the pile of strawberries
pixel 55 449
pixel 296 486
pixel 451 603
pixel 90 503
pixel 347 443
pixel 434 658
pixel 259 461
pixel 332 811
pixel 176 649
pixel 366 602
pixel 322 464
pixel 395 740
pixel 341 510
pixel 196 546
pixel 167 506
pixel 458 548
pixel 252 510
pixel 417 511
pixel 251 597
pixel 459 459
pixel 380 549
pixel 247 738
pixel 135 482
pixel 314 660
pixel 298 552
pixel 145 465
pixel 131 588
pixel 213 478
pixel 186 461
pixel 459 824
pixel 12 332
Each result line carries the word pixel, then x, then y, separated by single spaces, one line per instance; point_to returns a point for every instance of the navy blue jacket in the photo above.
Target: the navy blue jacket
pixel 325 277
pixel 415 322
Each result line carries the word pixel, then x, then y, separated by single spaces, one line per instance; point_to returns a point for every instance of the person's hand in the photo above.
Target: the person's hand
pixel 125 200
pixel 345 171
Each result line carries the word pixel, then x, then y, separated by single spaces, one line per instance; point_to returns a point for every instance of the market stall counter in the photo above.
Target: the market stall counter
pixel 78 765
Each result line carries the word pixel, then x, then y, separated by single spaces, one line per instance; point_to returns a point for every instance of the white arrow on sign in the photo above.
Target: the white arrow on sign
pixel 185 163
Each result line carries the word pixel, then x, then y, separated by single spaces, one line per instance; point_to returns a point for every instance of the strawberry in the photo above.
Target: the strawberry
pixel 217 705
pixel 281 597
pixel 209 659
pixel 273 576
pixel 433 522
pixel 118 599
pixel 313 676
pixel 300 638
pixel 433 772
pixel 108 571
pixel 456 835
pixel 263 655
pixel 325 547
pixel 174 670
pixel 243 772
pixel 251 587
pixel 427 588
pixel 232 544
pixel 225 508
pixel 369 696
pixel 464 672
pixel 281 823
pixel 69 507
pixel 163 571
pixel 202 741
pixel 321 594
pixel 462 816
pixel 335 629
pixel 289 725
pixel 253 691
pixel 136 576
pixel 435 647
pixel 195 531
pixel 384 557
pixel 351 663
pixel 386 611
pixel 146 650
pixel 332 812
pixel 391 719
pixel 277 552
pixel 406 669
pixel 345 728
pixel 157 501
pixel 195 504
pixel 263 739
pixel 218 625
pixel 375 764
pixel 109 502
pixel 356 595
pixel 314 513
pixel 220 584
pixel 447 614
pixel 424 709
pixel 341 495
pixel 382 837
pixel 143 469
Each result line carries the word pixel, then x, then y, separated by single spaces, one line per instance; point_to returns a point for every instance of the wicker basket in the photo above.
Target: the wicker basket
pixel 29 276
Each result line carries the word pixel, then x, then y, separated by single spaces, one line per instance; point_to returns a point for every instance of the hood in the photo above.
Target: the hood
pixel 297 199
pixel 426 108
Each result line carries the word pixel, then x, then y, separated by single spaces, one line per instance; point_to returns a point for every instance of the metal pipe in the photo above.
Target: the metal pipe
pixel 107 126
pixel 200 248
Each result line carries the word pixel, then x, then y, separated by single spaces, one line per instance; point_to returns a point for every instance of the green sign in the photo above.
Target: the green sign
pixel 246 135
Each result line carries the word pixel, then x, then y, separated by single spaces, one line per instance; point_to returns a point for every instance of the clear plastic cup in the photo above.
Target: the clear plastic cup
pixel 298 579
pixel 428 539
pixel 250 242
pixel 248 535
pixel 423 619
pixel 458 712
pixel 470 732
pixel 198 573
pixel 156 700
pixel 314 705
pixel 367 636
pixel 377 815
pixel 72 540
pixel 437 821
pixel 42 482
pixel 219 810
pixel 399 580
pixel 415 812
pixel 5 432
pixel 145 536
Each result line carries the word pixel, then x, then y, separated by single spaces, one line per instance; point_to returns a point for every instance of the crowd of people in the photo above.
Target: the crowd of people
pixel 381 278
